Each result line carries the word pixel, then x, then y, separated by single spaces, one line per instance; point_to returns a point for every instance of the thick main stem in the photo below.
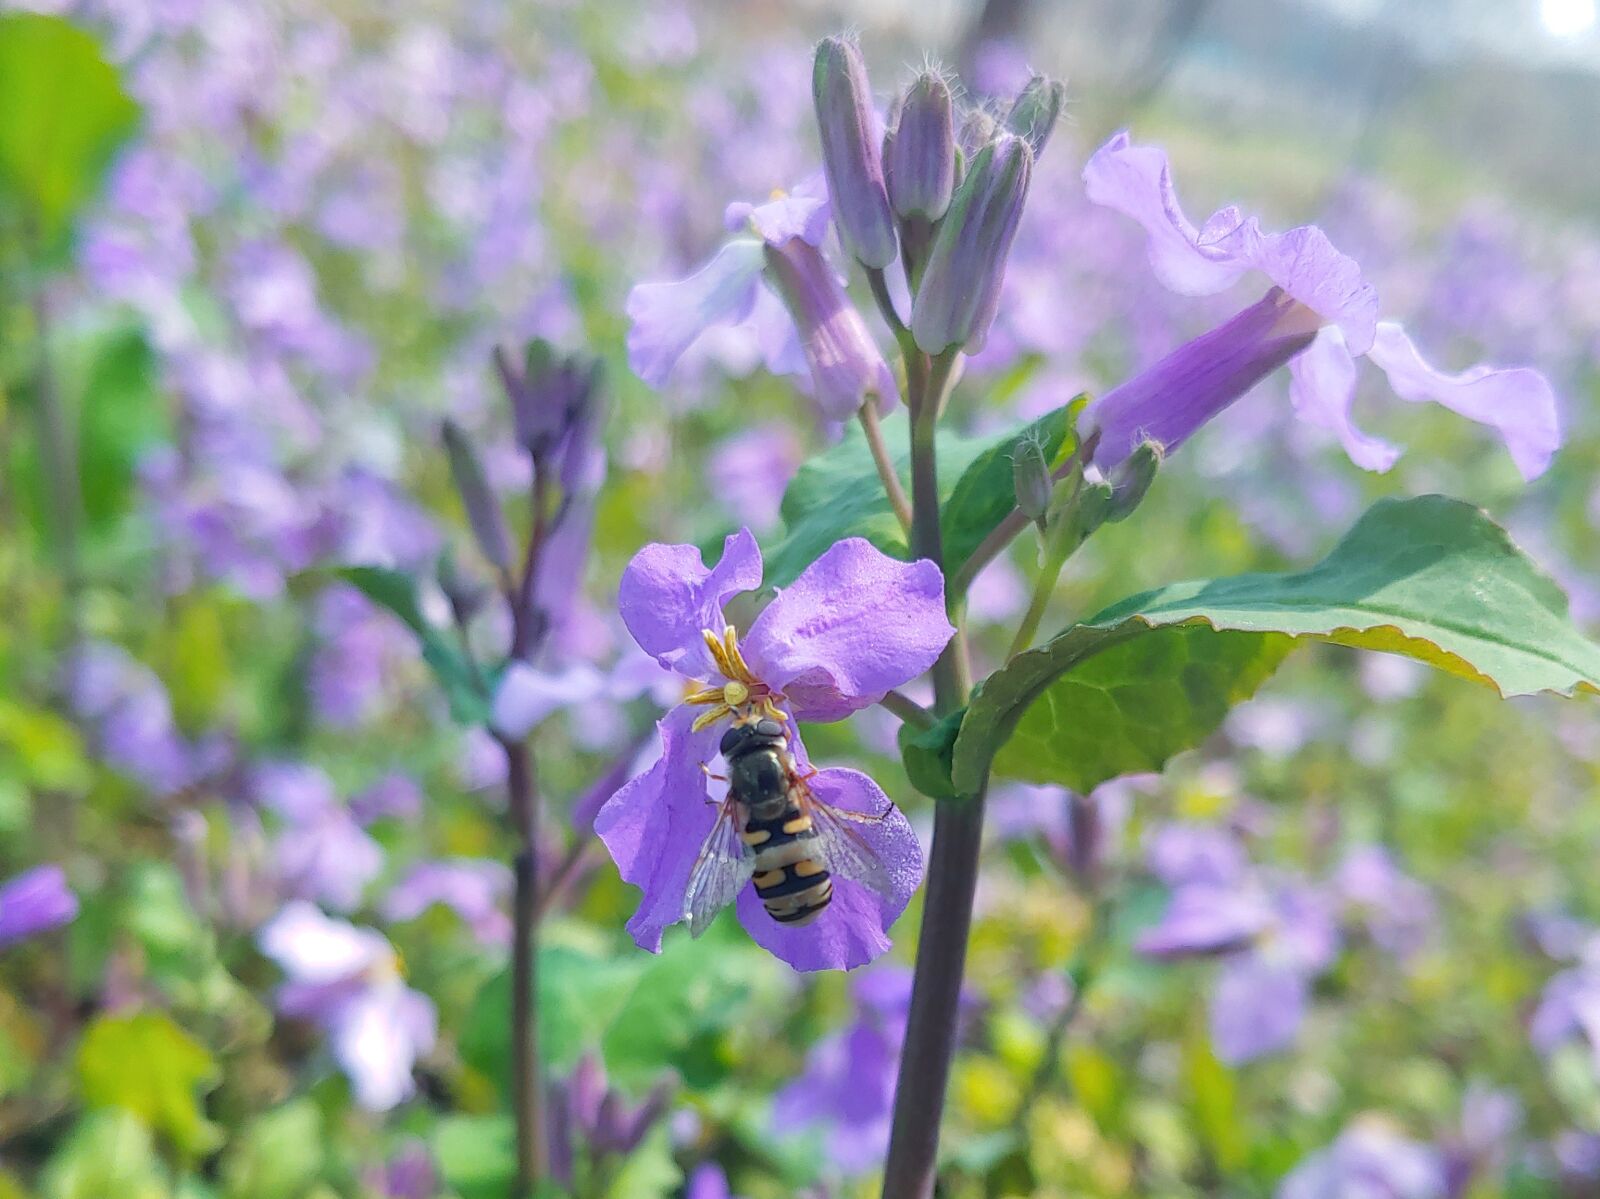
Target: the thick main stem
pixel 930 1043
pixel 522 792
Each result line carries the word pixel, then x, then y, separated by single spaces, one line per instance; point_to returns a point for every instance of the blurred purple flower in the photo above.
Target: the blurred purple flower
pixel 1319 315
pixel 1399 911
pixel 320 852
pixel 747 472
pixel 396 796
pixel 1275 934
pixel 34 902
pixel 347 980
pixel 409 1174
pixel 855 624
pixel 473 888
pixel 847 1087
pixel 585 1116
pixel 358 646
pixel 708 1182
pixel 1368 1161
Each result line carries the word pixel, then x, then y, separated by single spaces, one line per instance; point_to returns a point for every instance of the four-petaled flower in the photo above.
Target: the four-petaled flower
pixel 853 626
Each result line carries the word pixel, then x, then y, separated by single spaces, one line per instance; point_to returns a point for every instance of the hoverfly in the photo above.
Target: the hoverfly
pixel 773 831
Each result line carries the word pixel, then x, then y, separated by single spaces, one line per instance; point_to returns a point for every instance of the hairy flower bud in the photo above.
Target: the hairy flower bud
pixel 483 508
pixel 846 364
pixel 1034 113
pixel 960 286
pixel 1131 480
pixel 919 151
pixel 1031 477
pixel 850 156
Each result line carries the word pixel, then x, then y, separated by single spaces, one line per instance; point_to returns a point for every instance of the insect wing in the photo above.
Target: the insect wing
pixel 720 872
pixel 843 847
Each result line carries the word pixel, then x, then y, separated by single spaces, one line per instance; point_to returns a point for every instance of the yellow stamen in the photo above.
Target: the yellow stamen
pixel 741 670
pixel 719 652
pixel 710 717
pixel 704 695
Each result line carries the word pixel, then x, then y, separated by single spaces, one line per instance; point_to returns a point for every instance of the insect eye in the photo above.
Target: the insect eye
pixel 769 728
pixel 731 740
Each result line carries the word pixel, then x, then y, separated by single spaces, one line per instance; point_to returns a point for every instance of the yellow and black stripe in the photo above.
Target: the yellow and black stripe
pixel 790 876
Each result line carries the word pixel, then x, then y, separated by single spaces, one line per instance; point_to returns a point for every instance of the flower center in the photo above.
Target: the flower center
pixel 742 696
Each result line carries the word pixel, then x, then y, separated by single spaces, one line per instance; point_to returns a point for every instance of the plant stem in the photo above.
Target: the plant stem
pixel 522 791
pixel 930 1042
pixel 907 709
pixel 868 414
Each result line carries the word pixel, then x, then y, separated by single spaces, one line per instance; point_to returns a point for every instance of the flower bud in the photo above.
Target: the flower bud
pixel 1031 476
pixel 1132 479
pixel 960 287
pixel 483 508
pixel 919 152
pixel 850 156
pixel 465 593
pixel 846 364
pixel 1034 112
pixel 548 394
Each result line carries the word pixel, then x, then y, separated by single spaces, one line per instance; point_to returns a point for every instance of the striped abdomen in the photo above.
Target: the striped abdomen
pixel 790 876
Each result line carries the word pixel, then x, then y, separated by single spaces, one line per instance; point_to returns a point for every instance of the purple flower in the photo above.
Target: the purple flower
pixel 747 472
pixel 473 888
pixel 321 852
pixel 409 1174
pixel 1398 910
pixel 854 625
pixel 1319 316
pixel 585 1115
pixel 847 1087
pixel 708 1182
pixel 347 980
pixel 1274 936
pixel 848 125
pixel 1368 1161
pixel 34 902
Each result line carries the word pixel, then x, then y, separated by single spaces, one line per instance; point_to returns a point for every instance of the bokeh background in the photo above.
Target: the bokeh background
pixel 222 374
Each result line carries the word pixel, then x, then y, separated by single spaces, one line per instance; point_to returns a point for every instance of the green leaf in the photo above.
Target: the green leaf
pixel 477 1155
pixel 1430 578
pixel 63 113
pixel 108 1153
pixel 278 1156
pixel 838 494
pixel 927 753
pixel 147 1065
pixel 1213 1102
pixel 397 591
pixel 650 1171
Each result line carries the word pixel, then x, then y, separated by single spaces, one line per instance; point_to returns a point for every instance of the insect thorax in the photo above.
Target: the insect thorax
pixel 758 772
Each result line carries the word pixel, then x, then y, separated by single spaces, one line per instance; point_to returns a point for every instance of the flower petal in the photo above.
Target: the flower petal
pixel 527 696
pixel 1322 389
pixel 855 624
pixel 1518 404
pixel 667 317
pixel 1137 182
pixel 377 1039
pixel 852 930
pixel 1306 264
pixel 313 948
pixel 1205 918
pixel 668 598
pixel 654 826
pixel 1257 1008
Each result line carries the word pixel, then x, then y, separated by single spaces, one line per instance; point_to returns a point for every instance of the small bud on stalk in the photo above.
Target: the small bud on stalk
pixel 1035 111
pixel 1031 477
pixel 960 288
pixel 483 508
pixel 850 155
pixel 1132 478
pixel 919 151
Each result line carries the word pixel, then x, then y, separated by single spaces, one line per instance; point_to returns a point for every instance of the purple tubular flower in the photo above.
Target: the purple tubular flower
pixel 1170 401
pixel 34 902
pixel 919 152
pixel 1341 308
pixel 959 291
pixel 846 365
pixel 845 120
pixel 854 625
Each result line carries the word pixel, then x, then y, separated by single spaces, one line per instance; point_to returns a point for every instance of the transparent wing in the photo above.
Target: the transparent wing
pixel 720 872
pixel 845 850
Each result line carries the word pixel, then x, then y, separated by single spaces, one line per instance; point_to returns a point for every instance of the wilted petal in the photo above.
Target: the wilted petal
pixel 667 317
pixel 852 930
pixel 1517 404
pixel 1257 1008
pixel 855 624
pixel 1322 389
pixel 654 826
pixel 1137 182
pixel 377 1039
pixel 668 597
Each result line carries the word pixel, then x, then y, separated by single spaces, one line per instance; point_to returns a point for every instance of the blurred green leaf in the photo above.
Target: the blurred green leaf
pixel 41 749
pixel 927 754
pixel 1430 578
pixel 278 1156
pixel 147 1065
pixel 477 1155
pixel 120 415
pixel 397 592
pixel 649 1172
pixel 63 113
pixel 838 494
pixel 1213 1102
pixel 109 1153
